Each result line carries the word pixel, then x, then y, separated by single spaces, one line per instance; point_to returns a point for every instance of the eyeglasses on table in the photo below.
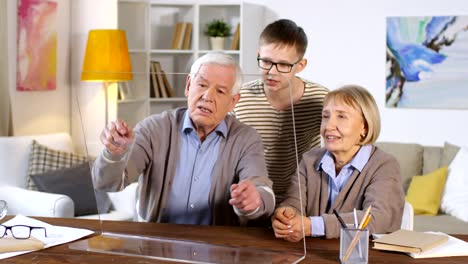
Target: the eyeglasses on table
pixel 20 231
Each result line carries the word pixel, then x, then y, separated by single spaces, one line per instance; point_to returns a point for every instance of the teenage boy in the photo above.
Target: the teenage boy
pixel 265 104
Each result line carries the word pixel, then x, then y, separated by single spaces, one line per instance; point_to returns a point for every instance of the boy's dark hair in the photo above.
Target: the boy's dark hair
pixel 285 32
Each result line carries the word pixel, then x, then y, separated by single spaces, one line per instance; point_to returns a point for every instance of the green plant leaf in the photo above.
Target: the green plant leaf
pixel 217 28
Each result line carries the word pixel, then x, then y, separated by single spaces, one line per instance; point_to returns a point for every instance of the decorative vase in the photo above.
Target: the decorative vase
pixel 217 43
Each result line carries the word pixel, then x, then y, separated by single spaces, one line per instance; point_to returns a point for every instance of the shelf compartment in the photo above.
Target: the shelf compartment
pixel 163 20
pixel 228 13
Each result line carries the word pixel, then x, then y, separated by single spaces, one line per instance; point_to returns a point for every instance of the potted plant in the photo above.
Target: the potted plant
pixel 217 30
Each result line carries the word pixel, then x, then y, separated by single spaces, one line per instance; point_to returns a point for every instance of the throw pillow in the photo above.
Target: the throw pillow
pixel 409 156
pixel 425 192
pixel 455 197
pixel 448 154
pixel 42 159
pixel 76 183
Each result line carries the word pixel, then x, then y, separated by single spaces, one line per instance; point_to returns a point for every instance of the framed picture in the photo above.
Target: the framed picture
pixel 37 45
pixel 124 91
pixel 427 62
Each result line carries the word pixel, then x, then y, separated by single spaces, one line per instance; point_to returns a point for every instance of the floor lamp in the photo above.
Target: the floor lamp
pixel 106 59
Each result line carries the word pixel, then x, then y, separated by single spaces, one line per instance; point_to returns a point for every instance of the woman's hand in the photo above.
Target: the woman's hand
pixel 287 224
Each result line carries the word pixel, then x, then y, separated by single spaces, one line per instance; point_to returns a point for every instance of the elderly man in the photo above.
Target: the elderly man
pixel 198 165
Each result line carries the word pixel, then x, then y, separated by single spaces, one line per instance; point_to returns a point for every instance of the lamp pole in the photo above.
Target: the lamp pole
pixel 106 103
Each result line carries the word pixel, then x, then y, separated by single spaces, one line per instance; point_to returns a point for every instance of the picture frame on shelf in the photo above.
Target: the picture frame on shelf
pixel 124 91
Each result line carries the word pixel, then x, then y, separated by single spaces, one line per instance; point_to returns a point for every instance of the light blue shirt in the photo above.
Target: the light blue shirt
pixel 188 200
pixel 336 183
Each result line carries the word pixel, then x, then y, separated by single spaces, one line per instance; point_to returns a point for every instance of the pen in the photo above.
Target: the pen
pixel 343 225
pixel 355 218
pixel 356 225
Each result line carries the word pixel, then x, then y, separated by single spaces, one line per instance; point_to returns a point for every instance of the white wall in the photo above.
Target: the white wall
pixel 347 45
pixel 42 111
pixel 87 15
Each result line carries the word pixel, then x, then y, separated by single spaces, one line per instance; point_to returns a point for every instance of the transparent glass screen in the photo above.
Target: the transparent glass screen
pixel 171 199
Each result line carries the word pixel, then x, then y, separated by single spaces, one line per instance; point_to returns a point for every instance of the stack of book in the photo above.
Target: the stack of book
pixel 182 36
pixel 422 244
pixel 409 241
pixel 159 84
pixel 10 244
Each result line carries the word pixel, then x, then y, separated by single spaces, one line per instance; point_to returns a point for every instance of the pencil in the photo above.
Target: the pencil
pixel 367 221
pixel 353 243
pixel 366 214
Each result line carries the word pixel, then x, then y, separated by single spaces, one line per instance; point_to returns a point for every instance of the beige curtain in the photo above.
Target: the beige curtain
pixel 5 115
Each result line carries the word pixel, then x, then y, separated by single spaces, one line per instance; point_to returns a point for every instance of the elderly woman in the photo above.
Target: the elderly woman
pixel 350 172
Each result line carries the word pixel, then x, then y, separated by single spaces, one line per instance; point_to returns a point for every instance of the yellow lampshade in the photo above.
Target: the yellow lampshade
pixel 106 57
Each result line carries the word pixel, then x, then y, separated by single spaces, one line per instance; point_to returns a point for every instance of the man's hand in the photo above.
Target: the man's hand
pixel 287 224
pixel 117 137
pixel 245 197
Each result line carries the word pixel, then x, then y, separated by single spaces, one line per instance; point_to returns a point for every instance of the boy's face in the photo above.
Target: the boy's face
pixel 285 57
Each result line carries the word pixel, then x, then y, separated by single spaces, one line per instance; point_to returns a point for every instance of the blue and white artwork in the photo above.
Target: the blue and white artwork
pixel 427 62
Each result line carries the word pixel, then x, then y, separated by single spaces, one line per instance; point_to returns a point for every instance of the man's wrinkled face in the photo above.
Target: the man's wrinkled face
pixel 210 95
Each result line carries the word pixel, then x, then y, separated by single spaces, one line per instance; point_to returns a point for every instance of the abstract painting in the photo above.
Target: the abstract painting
pixel 427 62
pixel 37 45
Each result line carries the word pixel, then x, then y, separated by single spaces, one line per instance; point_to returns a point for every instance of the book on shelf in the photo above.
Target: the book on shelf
pixel 167 85
pixel 180 39
pixel 159 76
pixel 187 36
pixel 154 81
pixel 176 35
pixel 160 86
pixel 236 38
pixel 151 86
pixel 182 35
pixel 410 241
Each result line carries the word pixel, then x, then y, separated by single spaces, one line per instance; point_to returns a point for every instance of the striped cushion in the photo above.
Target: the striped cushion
pixel 43 159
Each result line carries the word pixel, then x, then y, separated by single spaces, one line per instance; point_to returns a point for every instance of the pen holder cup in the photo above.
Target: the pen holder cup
pixel 354 246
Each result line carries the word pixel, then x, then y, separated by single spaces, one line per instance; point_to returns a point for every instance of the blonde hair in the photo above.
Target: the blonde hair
pixel 360 99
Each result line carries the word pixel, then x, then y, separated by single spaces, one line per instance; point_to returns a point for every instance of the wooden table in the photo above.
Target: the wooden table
pixel 318 250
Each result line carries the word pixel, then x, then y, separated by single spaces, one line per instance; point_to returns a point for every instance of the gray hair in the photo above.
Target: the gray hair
pixel 219 58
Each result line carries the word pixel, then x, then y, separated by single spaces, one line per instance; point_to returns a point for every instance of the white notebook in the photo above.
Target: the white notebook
pixel 453 247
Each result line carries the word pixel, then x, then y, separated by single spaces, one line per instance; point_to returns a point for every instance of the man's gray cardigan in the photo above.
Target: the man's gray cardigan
pixel 154 156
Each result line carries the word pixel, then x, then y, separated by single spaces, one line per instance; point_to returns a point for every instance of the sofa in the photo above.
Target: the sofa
pixel 416 159
pixel 15 165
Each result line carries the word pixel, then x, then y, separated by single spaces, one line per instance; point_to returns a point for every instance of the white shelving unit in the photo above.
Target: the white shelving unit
pixel 150 25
